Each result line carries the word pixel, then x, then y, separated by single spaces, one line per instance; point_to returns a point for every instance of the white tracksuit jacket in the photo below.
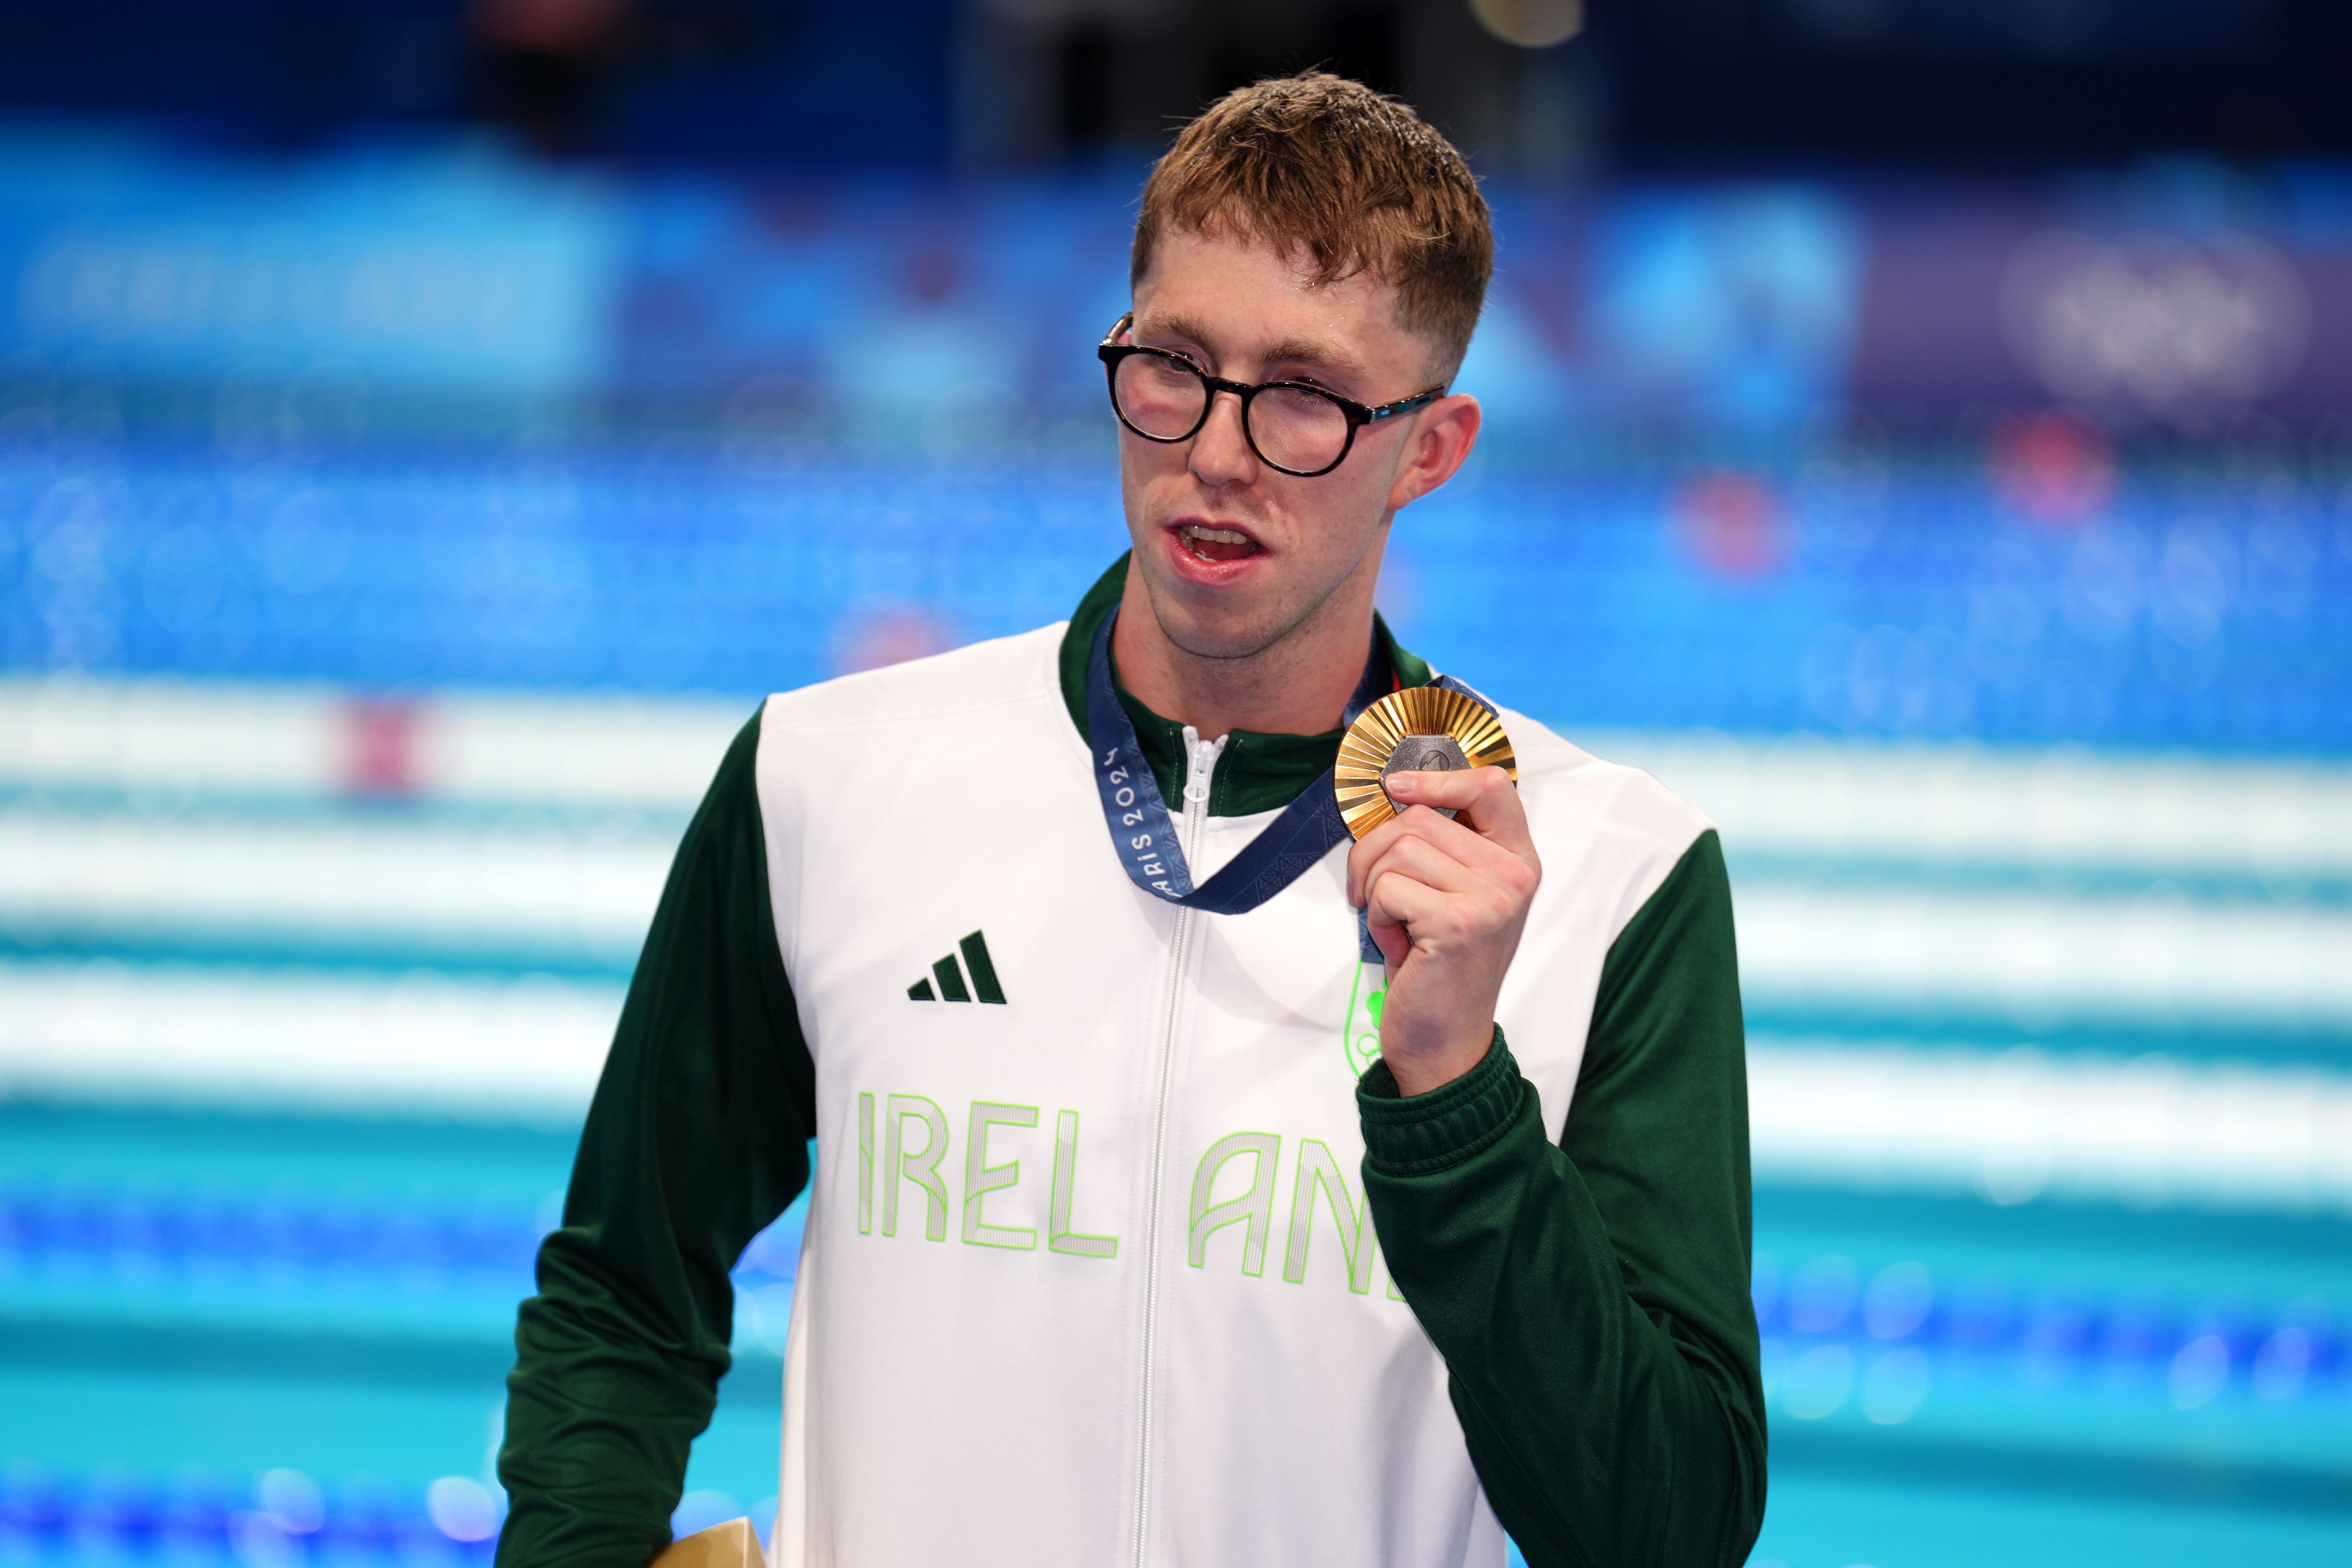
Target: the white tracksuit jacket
pixel 1088 1276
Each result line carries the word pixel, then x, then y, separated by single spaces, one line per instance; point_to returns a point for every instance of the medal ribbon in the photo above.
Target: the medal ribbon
pixel 1144 833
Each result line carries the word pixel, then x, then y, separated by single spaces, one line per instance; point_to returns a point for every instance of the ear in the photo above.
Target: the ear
pixel 1440 442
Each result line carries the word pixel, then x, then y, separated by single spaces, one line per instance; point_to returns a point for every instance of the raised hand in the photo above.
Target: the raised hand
pixel 1447 900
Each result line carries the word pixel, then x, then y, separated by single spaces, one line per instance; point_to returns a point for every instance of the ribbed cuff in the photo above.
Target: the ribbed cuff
pixel 1419 1134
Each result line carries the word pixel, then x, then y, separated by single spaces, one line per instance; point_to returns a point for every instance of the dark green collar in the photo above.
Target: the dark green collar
pixel 1257 773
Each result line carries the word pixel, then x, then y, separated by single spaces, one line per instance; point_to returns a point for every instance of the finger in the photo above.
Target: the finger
pixel 1388 935
pixel 1435 832
pixel 1449 788
pixel 1426 863
pixel 1487 802
pixel 1399 902
pixel 1490 858
pixel 1443 901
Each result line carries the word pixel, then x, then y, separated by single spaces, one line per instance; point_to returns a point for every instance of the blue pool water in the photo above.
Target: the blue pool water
pixel 192 1300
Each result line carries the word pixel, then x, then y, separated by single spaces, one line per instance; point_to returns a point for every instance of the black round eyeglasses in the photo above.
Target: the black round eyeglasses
pixel 1294 427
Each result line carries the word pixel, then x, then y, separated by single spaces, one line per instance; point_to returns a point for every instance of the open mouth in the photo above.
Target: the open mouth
pixel 1218 544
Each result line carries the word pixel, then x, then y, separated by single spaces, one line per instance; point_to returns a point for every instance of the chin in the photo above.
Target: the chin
pixel 1222 639
pixel 1233 629
pixel 1214 625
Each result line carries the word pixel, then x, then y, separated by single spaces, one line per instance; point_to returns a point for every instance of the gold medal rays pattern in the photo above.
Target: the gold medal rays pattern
pixel 1416 711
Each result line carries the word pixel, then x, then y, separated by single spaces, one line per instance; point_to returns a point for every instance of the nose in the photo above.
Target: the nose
pixel 1221 451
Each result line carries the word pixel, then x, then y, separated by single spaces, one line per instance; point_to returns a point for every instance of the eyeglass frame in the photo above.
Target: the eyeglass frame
pixel 1358 415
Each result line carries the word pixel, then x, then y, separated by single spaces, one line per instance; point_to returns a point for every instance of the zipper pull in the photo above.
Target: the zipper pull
pixel 1200 764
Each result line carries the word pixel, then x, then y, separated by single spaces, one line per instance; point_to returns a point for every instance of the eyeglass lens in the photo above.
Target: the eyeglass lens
pixel 1292 428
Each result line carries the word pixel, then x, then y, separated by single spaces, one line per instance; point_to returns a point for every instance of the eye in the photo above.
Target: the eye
pixel 1169 349
pixel 1309 380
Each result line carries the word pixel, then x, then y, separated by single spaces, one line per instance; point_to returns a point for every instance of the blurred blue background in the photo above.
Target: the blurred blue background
pixel 1920 433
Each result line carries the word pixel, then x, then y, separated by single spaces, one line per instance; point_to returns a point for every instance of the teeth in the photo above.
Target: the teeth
pixel 1214 535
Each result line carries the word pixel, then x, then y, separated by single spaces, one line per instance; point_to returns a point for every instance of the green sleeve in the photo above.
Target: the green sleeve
pixel 1591 1299
pixel 695 1139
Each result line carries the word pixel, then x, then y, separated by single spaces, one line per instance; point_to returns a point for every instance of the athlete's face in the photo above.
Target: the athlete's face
pixel 1236 555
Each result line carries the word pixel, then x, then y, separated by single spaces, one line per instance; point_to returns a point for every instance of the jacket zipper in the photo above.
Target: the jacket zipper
pixel 1200 769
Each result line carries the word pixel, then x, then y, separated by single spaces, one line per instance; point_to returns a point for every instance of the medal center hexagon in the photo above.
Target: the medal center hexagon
pixel 1424 755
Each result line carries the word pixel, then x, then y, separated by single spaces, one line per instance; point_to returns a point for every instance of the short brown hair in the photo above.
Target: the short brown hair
pixel 1359 181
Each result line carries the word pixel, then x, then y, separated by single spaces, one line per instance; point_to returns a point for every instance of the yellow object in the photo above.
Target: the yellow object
pixel 1371 745
pixel 729 1545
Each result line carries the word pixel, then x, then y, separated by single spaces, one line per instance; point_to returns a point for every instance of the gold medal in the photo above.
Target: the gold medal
pixel 1423 729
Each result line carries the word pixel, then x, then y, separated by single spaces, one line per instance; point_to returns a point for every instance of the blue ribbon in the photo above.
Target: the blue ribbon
pixel 1144 833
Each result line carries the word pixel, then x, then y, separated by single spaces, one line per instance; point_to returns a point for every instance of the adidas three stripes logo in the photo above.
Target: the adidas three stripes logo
pixel 950 978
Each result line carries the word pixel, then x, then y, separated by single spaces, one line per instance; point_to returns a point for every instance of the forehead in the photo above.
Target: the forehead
pixel 1249 299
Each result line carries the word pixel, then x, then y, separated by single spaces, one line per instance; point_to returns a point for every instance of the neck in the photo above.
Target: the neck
pixel 1297 685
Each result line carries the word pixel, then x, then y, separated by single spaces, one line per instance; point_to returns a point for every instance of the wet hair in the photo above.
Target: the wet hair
pixel 1358 181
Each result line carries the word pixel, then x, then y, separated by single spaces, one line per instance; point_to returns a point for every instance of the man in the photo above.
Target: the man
pixel 1112 1257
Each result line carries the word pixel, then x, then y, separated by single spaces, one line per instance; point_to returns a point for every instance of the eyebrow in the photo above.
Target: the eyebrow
pixel 1288 350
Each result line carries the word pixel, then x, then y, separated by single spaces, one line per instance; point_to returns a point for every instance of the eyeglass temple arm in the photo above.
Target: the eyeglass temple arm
pixel 1403 406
